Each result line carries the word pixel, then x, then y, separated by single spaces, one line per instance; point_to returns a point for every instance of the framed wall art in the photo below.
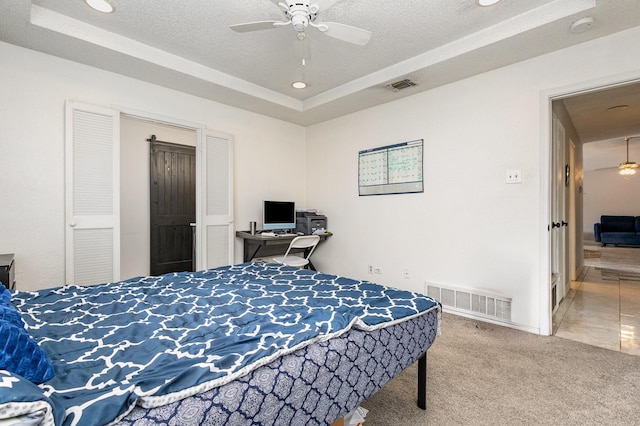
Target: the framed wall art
pixel 391 169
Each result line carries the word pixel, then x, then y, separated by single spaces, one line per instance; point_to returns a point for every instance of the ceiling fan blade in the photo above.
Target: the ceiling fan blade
pixel 347 33
pixel 254 26
pixel 617 168
pixel 277 2
pixel 324 4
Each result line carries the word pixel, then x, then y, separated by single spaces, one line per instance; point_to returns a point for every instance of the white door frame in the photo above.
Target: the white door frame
pixel 201 134
pixel 546 117
pixel 558 211
pixel 572 216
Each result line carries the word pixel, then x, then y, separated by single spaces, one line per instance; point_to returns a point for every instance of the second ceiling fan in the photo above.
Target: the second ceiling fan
pixel 302 14
pixel 628 167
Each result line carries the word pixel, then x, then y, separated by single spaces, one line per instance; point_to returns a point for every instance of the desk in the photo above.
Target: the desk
pixel 7 271
pixel 261 246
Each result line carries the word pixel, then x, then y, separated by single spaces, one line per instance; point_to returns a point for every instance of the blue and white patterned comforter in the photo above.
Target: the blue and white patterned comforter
pixel 155 340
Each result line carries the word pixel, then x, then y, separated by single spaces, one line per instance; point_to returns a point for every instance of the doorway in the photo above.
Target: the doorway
pixel 590 117
pixel 107 198
pixel 172 206
pixel 135 187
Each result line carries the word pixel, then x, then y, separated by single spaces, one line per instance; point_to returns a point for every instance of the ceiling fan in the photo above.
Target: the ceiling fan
pixel 628 167
pixel 302 14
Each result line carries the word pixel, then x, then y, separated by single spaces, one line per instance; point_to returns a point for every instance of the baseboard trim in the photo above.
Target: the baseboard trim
pixel 513 325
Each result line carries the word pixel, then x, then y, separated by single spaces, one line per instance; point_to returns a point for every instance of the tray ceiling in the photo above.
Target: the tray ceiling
pixel 188 45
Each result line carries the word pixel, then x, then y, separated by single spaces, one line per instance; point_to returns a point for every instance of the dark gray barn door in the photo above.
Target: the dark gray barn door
pixel 173 206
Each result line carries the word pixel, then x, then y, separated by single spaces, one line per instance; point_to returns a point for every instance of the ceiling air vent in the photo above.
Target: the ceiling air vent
pixel 401 85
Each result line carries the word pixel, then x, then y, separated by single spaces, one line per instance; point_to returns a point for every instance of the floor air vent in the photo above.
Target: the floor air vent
pixel 482 303
pixel 400 85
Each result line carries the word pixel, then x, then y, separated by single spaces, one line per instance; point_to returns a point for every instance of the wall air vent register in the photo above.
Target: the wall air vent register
pixel 473 302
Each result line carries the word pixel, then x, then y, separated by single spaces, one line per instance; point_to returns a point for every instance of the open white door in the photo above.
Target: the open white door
pixel 558 214
pixel 92 194
pixel 214 205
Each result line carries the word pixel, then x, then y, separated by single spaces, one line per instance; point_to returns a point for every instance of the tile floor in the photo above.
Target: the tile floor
pixel 603 306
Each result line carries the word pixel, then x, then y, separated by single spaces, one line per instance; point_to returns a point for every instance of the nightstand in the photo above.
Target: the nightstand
pixel 7 271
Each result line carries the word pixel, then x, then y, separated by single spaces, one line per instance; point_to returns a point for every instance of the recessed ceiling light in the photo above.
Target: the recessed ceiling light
pixel 487 2
pixel 100 5
pixel 299 84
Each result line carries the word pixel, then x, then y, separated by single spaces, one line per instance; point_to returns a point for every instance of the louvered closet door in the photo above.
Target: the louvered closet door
pixel 215 232
pixel 92 194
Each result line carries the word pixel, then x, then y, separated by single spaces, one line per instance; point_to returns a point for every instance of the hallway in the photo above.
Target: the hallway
pixel 603 306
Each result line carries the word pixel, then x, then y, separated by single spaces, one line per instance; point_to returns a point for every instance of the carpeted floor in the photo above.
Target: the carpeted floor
pixel 484 374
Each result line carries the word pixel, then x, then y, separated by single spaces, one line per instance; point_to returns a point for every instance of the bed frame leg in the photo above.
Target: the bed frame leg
pixel 422 382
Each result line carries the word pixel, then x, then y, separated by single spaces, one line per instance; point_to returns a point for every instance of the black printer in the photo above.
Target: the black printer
pixel 309 222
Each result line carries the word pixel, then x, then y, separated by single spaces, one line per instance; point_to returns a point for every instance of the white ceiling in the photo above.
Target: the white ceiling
pixel 596 117
pixel 605 156
pixel 603 119
pixel 188 45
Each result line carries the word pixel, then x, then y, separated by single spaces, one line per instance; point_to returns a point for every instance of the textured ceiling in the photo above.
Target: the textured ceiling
pixel 603 127
pixel 188 45
pixel 596 117
pixel 198 30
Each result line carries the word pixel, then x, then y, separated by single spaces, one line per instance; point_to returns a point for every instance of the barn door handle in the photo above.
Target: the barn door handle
pixel 555 225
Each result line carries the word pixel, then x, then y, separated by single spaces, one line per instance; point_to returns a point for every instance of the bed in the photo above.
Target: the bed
pixel 255 343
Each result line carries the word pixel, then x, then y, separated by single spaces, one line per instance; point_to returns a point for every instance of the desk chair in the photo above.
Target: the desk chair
pixel 307 242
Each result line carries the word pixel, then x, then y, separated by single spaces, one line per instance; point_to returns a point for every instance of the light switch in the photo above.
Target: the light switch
pixel 514 176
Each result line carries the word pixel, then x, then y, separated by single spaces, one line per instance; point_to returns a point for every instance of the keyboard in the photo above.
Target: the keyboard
pixel 273 234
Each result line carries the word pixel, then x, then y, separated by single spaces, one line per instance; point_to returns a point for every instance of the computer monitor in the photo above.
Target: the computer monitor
pixel 278 215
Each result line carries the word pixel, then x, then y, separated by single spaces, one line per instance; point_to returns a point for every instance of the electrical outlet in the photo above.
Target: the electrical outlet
pixel 370 269
pixel 377 270
pixel 514 176
pixel 406 274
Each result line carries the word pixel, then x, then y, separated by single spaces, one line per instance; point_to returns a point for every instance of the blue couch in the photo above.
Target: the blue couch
pixel 623 230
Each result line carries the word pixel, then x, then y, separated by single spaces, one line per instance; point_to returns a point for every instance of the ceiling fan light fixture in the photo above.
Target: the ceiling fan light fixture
pixel 485 3
pixel 100 5
pixel 627 171
pixel 628 168
pixel 299 85
pixel 302 15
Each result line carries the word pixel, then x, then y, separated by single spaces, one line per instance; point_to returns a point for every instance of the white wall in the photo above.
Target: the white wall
pixel 34 88
pixel 468 228
pixel 608 193
pixel 605 191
